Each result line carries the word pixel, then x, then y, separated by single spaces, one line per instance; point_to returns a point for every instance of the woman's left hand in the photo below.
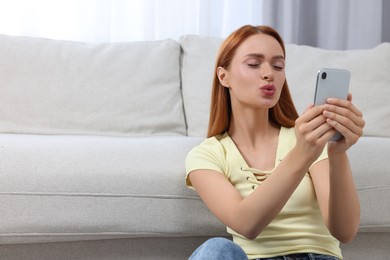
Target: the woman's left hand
pixel 344 117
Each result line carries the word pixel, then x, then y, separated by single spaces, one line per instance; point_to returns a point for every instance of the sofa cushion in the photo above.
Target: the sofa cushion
pixel 370 167
pixel 59 87
pixel 67 188
pixel 370 80
pixel 369 83
pixel 61 188
pixel 198 59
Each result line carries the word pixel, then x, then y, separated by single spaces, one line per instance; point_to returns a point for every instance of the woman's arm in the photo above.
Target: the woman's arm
pixel 250 215
pixel 333 180
pixel 337 197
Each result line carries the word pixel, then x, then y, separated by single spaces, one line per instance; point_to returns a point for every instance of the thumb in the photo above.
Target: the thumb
pixel 349 98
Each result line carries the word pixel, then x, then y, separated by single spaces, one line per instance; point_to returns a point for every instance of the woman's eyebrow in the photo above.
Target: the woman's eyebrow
pixel 278 57
pixel 259 55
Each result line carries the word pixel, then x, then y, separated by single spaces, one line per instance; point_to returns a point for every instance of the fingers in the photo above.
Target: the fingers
pixel 345 118
pixel 312 125
pixel 345 104
pixel 344 122
pixel 311 112
pixel 344 108
pixel 313 132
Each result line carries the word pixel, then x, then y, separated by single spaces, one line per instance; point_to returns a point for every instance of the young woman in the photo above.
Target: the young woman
pixel 273 177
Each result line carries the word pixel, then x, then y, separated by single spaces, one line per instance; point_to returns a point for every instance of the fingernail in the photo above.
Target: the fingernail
pixel 326 113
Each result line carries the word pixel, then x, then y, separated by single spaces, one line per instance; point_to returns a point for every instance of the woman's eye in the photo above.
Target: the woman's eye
pixel 253 65
pixel 278 67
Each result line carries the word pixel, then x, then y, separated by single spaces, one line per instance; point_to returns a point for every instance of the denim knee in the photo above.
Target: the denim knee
pixel 219 248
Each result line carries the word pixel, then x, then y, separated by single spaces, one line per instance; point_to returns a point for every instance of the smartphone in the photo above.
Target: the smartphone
pixel 331 83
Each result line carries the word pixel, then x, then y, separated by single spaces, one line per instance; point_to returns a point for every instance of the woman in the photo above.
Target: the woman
pixel 271 176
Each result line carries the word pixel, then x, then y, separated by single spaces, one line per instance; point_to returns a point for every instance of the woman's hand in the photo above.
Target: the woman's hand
pixel 343 116
pixel 313 132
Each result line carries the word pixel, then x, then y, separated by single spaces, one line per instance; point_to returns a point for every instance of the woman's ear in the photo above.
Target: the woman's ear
pixel 223 77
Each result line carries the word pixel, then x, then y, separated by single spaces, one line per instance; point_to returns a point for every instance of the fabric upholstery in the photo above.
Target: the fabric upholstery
pixel 369 80
pixel 59 87
pixel 64 188
pixel 198 59
pixel 93 143
pixel 370 168
pixel 373 246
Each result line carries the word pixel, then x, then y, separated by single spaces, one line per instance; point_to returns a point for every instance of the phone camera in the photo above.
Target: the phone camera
pixel 323 76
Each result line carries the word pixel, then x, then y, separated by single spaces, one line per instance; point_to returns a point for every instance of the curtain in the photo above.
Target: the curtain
pixel 125 20
pixel 330 24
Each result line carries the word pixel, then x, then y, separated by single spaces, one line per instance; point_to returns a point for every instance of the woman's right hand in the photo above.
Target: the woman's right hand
pixel 312 132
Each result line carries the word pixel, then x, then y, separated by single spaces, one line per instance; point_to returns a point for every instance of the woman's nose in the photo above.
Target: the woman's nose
pixel 266 72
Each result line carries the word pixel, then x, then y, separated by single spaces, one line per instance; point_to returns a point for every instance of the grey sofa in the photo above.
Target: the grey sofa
pixel 93 139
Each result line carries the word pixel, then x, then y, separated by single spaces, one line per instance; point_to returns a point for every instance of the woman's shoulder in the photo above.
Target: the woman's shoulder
pixel 210 154
pixel 212 144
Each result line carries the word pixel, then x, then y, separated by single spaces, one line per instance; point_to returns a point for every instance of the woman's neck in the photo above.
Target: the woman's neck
pixel 251 127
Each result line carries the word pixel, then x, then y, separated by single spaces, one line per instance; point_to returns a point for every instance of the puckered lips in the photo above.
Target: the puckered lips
pixel 268 90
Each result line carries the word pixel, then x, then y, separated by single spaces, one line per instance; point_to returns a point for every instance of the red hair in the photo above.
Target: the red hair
pixel 283 113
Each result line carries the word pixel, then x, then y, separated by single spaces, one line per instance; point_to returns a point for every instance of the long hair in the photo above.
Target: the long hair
pixel 283 113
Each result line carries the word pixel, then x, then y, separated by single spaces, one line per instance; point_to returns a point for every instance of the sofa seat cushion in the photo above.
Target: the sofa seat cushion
pixel 68 188
pixel 60 87
pixel 370 166
pixel 62 188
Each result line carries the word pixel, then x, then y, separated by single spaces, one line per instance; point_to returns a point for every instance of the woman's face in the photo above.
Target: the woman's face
pixel 256 74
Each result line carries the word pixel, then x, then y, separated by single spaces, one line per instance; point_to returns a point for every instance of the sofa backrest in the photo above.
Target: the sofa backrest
pixel 138 88
pixel 198 59
pixel 59 87
pixel 370 80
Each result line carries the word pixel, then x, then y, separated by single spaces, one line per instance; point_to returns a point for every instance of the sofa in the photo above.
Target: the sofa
pixel 93 139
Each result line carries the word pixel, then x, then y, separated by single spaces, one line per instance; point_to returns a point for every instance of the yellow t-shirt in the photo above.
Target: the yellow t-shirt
pixel 298 228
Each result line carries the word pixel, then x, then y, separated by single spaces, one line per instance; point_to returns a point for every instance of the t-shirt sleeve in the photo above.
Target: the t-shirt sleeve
pixel 206 156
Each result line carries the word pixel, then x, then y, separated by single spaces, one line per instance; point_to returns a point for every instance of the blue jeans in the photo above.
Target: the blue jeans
pixel 301 256
pixel 224 249
pixel 219 248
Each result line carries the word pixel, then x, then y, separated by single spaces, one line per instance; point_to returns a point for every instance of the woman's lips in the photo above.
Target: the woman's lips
pixel 268 90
